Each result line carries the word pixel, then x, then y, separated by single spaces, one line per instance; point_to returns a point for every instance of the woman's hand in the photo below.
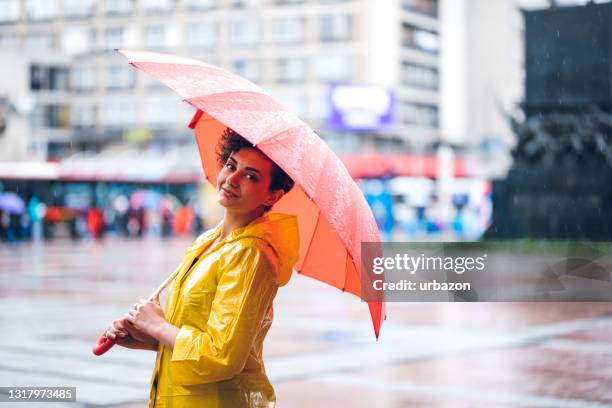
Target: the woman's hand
pixel 128 336
pixel 146 317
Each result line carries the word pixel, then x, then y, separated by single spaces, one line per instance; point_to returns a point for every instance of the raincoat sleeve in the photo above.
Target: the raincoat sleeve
pixel 245 290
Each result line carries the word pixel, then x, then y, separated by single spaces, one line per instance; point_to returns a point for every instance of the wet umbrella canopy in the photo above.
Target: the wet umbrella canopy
pixel 334 218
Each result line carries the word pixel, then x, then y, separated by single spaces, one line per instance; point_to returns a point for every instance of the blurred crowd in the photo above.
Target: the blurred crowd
pixel 405 208
pixel 144 212
pixel 418 208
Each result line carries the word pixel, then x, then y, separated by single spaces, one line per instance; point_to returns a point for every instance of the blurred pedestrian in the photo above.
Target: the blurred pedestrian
pixel 121 205
pixel 95 222
pixel 183 221
pixel 166 229
pixel 37 211
pixel 3 224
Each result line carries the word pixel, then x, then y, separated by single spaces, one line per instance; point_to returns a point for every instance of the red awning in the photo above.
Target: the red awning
pixel 369 165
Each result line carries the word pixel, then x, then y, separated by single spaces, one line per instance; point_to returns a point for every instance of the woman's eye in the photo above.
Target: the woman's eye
pixel 251 177
pixel 230 166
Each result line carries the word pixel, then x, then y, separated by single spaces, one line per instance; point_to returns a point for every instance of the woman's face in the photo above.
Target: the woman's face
pixel 243 184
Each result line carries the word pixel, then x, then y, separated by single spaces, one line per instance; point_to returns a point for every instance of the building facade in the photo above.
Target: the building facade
pixel 295 49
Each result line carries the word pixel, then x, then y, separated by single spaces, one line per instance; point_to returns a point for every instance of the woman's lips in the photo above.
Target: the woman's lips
pixel 228 193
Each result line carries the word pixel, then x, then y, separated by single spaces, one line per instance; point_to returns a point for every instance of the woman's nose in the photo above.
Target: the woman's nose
pixel 233 179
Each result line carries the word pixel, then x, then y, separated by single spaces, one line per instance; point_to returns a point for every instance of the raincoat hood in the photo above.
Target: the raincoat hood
pixel 280 232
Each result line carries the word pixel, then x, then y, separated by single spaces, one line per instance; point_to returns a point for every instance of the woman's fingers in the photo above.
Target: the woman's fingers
pixel 120 329
pixel 128 316
pixel 117 329
pixel 109 335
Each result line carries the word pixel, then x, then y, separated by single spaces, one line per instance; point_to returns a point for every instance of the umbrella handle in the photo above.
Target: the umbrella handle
pixel 103 344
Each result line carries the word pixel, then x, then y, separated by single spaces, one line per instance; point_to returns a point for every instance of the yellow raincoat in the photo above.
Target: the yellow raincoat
pixel 223 307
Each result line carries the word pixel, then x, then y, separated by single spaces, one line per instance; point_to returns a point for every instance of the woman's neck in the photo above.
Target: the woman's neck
pixel 231 221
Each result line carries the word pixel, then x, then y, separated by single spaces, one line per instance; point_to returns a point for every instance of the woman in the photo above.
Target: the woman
pixel 209 338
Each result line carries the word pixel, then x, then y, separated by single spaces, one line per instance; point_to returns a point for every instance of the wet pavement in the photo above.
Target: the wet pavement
pixel 321 352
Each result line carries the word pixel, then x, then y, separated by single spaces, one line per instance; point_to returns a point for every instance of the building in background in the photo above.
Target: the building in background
pixel 37 103
pixel 296 49
pixel 482 69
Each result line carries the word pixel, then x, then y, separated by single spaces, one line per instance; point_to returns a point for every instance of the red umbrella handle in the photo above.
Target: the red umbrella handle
pixel 103 345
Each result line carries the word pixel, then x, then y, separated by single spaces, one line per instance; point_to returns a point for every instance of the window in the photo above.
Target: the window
pixel 83 116
pixel 39 78
pixel 78 41
pixel 161 112
pixel 419 114
pixel 113 38
pixel 9 11
pixel 335 27
pixel 202 34
pixel 290 70
pixel 157 6
pixel 38 10
pixel 51 116
pixel 419 76
pixel 59 78
pixel 82 79
pixel 118 114
pixel 9 40
pixel 78 8
pixel 244 33
pixel 422 6
pixel 155 37
pixel 333 67
pixel 119 77
pixel 48 78
pixel 288 30
pixel 246 68
pixel 201 4
pixel 40 40
pixel 418 38
pixel 115 7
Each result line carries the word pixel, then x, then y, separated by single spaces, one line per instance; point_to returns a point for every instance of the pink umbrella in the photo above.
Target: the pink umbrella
pixel 333 216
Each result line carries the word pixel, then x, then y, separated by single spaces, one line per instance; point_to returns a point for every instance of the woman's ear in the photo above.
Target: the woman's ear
pixel 273 197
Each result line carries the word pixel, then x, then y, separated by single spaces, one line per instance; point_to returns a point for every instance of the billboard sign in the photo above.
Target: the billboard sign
pixel 360 107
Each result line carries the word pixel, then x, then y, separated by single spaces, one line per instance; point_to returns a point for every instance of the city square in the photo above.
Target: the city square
pixel 59 296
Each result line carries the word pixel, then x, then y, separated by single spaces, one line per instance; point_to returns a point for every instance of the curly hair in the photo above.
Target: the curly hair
pixel 231 142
